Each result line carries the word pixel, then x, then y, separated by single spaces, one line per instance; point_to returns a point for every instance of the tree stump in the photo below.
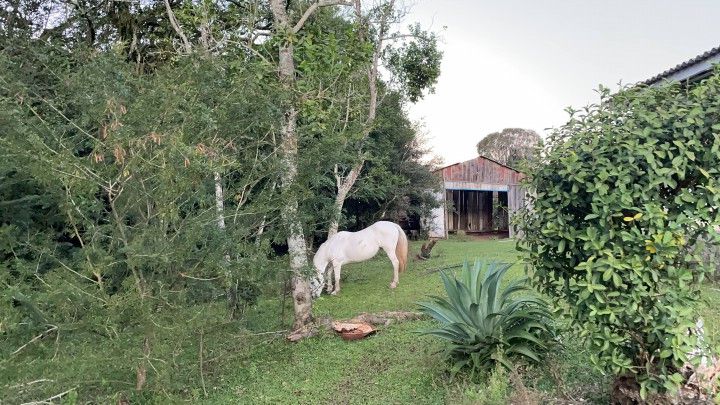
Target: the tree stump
pixel 425 250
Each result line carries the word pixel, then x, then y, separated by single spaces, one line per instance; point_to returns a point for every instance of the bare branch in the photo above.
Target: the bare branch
pixel 51 399
pixel 40 336
pixel 397 36
pixel 315 6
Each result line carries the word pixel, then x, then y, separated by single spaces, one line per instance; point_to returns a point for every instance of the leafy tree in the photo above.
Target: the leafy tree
pixel 509 146
pixel 330 78
pixel 287 25
pixel 618 199
pixel 398 184
pixel 123 165
pixel 414 62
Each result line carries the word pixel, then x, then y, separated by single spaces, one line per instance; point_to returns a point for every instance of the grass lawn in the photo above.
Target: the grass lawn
pixel 396 366
pixel 243 363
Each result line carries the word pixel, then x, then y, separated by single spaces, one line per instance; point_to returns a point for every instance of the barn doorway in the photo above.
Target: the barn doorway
pixel 478 212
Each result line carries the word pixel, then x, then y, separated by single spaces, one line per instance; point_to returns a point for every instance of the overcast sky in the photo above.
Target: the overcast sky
pixel 520 63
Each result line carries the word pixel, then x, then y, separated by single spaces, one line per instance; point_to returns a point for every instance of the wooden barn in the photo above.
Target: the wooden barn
pixel 479 196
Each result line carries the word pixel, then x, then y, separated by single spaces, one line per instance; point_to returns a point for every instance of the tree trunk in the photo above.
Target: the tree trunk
pixel 344 185
pixel 187 48
pixel 219 201
pixel 297 247
pixel 302 301
pixel 141 372
pixel 263 223
pixel 232 282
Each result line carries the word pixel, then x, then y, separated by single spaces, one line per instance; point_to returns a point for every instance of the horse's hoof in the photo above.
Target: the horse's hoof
pixel 334 293
pixel 393 285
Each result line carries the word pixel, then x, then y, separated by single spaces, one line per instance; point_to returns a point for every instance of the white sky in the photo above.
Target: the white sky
pixel 520 63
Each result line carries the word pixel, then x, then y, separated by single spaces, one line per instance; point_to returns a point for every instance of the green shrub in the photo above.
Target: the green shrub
pixel 618 201
pixel 486 325
pixel 493 391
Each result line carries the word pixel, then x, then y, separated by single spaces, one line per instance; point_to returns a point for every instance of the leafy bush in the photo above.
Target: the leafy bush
pixel 109 212
pixel 618 201
pixel 486 325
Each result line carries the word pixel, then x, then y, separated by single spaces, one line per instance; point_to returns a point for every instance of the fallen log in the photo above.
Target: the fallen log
pixel 387 317
pixel 384 318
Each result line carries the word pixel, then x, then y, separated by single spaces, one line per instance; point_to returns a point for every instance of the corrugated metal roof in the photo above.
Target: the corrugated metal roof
pixel 694 68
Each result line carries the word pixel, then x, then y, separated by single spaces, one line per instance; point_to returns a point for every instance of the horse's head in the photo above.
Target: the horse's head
pixel 318 280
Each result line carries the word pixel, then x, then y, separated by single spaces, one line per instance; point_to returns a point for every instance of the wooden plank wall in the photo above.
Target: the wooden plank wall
pixel 436 224
pixel 481 170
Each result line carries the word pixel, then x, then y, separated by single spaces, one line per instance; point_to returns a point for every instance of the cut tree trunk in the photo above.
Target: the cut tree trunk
pixel 384 318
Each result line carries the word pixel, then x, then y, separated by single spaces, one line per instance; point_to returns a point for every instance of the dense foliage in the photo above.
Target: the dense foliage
pixel 398 184
pixel 416 64
pixel 619 200
pixel 485 324
pixel 141 169
pixel 118 169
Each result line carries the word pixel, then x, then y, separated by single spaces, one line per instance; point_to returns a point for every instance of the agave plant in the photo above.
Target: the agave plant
pixel 486 325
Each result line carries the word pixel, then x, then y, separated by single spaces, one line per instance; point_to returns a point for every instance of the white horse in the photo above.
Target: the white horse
pixel 352 247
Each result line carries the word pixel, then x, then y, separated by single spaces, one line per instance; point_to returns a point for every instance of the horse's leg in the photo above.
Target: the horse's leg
pixel 329 276
pixel 396 265
pixel 336 269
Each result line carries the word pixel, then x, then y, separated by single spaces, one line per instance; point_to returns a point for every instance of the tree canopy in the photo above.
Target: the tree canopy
pixel 510 146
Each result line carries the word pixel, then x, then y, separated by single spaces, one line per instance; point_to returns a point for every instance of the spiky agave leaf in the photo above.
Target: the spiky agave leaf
pixel 485 324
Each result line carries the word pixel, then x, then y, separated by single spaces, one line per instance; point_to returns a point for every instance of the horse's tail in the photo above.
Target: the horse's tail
pixel 401 249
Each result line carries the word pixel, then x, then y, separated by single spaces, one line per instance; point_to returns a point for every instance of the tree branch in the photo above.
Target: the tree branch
pixel 315 6
pixel 176 27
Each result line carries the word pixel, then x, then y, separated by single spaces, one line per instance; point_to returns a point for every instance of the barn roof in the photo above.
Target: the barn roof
pixel 696 68
pixel 479 156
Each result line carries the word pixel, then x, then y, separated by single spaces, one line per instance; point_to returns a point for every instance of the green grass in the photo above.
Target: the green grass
pixel 242 363
pixel 395 366
pixel 709 312
pixel 366 285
